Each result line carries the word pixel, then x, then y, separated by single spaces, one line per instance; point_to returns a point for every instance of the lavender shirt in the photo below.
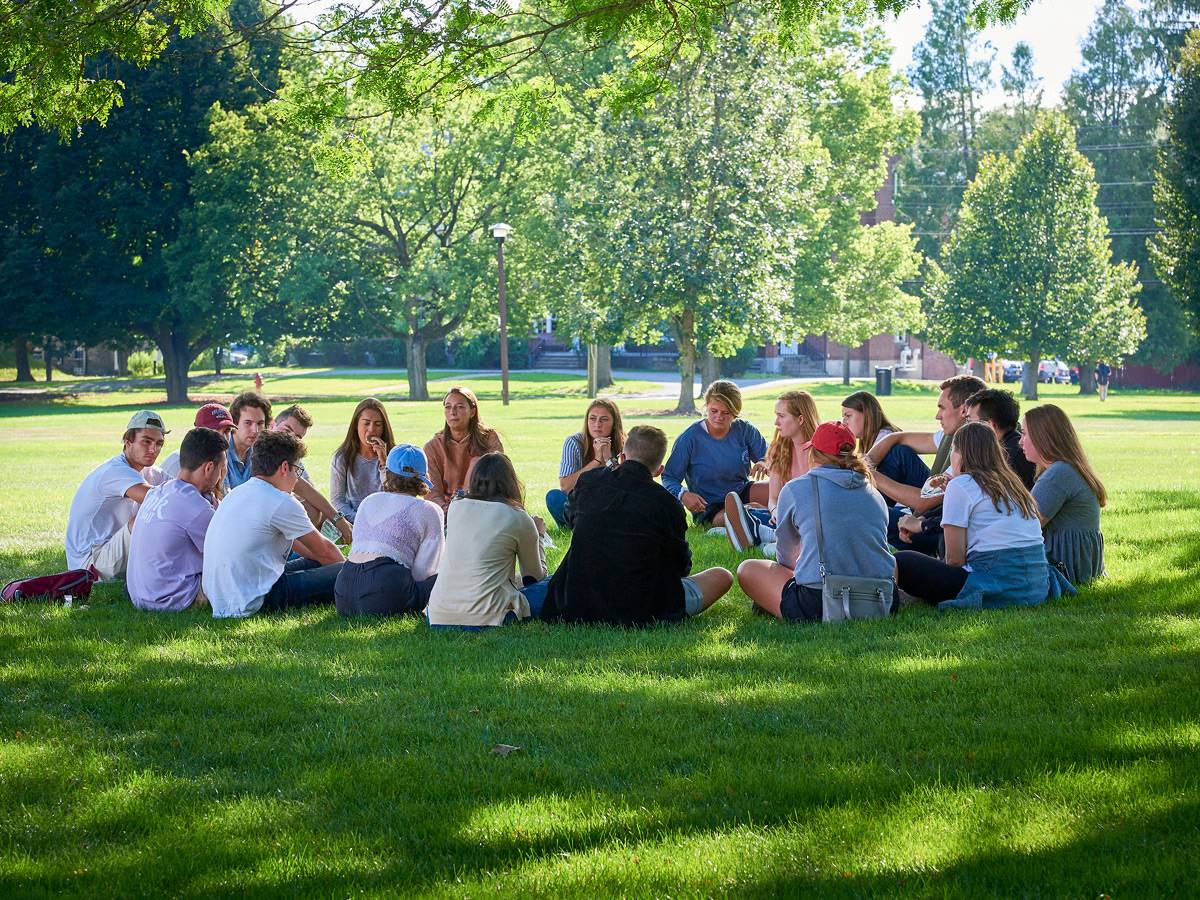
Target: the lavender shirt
pixel 166 553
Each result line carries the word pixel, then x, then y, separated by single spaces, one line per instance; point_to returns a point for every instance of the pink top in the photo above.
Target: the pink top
pixel 402 527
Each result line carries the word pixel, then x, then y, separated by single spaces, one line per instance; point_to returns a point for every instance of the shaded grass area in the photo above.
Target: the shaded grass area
pixel 1045 751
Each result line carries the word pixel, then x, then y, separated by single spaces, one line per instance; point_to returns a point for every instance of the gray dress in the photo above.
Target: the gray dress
pixel 1073 536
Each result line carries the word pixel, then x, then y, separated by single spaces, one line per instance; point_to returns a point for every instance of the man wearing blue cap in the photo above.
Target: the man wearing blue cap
pixel 398 541
pixel 104 506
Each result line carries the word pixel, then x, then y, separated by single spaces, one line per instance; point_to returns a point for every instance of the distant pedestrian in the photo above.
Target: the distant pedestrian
pixel 1103 373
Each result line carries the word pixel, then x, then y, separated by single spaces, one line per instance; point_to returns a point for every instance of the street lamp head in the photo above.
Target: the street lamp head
pixel 500 230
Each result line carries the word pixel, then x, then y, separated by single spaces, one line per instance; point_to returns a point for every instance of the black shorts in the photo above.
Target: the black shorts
pixel 381 587
pixel 710 511
pixel 800 603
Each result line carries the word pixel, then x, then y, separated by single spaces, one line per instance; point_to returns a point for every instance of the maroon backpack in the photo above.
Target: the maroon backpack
pixel 77 582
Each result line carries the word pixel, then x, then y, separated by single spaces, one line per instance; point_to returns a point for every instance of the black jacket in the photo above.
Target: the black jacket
pixel 628 552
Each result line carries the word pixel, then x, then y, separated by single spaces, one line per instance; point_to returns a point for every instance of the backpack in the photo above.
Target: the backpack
pixel 76 582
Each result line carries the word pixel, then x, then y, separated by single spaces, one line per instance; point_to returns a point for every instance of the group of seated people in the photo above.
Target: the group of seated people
pixel 232 522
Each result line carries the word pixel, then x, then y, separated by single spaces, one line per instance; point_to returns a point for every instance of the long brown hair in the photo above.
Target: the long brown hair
pixel 482 439
pixel 618 429
pixel 779 455
pixel 350 445
pixel 874 420
pixel 1056 440
pixel 985 461
pixel 851 460
pixel 494 478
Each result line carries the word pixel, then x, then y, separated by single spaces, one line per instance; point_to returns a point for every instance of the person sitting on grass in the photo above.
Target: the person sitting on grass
pixel 994 551
pixel 1002 413
pixel 853 521
pixel 398 541
pixel 251 414
pixel 212 416
pixel 863 415
pixel 296 421
pixel 359 463
pixel 922 530
pixel 714 457
pixel 166 551
pixel 255 529
pixel 796 419
pixel 99 526
pixel 629 559
pixel 453 450
pixel 487 533
pixel 599 443
pixel 1068 492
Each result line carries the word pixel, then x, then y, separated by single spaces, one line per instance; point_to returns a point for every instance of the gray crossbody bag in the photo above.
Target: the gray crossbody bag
pixel 848 596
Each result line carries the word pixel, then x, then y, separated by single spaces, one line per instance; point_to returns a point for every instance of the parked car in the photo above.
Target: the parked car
pixel 1054 371
pixel 239 354
pixel 1013 370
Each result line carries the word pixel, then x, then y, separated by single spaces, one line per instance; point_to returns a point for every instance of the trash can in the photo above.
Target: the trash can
pixel 883 382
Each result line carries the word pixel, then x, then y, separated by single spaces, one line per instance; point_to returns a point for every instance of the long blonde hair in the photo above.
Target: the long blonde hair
pixel 984 460
pixel 1055 439
pixel 779 455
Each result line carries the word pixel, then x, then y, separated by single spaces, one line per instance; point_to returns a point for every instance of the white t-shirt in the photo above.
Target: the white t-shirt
pixel 248 542
pixel 938 436
pixel 100 508
pixel 170 465
pixel 967 506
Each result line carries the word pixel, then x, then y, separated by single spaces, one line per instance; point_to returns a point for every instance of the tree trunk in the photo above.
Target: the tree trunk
pixel 1029 378
pixel 21 346
pixel 685 338
pixel 846 365
pixel 599 368
pixel 1087 378
pixel 979 368
pixel 177 356
pixel 217 354
pixel 710 369
pixel 48 357
pixel 418 374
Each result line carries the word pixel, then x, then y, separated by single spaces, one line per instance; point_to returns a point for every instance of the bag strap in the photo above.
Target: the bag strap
pixel 817 517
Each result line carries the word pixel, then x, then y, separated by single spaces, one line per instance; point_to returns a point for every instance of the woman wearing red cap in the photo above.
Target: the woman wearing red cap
pixel 854 522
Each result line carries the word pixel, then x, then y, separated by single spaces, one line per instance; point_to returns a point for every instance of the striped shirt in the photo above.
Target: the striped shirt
pixel 572 456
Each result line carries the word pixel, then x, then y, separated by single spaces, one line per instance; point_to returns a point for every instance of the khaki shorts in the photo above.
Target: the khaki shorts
pixel 111 557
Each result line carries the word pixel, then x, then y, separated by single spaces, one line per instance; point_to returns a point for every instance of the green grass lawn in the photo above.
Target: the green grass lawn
pixel 1049 751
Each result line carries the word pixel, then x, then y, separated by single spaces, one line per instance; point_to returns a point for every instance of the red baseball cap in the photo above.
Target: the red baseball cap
pixel 832 439
pixel 214 416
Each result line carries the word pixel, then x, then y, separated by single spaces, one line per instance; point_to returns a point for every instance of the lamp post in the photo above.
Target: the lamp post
pixel 500 231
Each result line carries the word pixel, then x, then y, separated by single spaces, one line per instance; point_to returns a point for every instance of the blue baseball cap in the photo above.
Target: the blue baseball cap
pixel 409 461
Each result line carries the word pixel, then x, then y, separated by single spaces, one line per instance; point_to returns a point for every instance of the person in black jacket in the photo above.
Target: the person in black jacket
pixel 629 558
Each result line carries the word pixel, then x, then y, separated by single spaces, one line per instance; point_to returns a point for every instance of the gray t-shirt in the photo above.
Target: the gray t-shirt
pixel 349 487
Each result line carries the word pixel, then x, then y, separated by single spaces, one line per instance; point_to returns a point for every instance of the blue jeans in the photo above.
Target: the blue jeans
pixel 304 582
pixel 556 505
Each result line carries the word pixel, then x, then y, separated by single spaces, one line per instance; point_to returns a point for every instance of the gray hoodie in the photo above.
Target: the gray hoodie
pixel 854 520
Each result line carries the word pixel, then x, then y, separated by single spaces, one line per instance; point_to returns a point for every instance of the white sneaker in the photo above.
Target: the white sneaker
pixel 719 531
pixel 768 550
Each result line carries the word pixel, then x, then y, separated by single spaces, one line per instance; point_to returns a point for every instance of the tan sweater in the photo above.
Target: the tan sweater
pixel 475 583
pixel 449 468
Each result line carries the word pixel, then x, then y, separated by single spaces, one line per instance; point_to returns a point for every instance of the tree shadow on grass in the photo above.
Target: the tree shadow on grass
pixel 1144 414
pixel 222 747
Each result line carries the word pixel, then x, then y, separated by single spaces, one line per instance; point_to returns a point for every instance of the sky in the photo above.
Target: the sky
pixel 1054 29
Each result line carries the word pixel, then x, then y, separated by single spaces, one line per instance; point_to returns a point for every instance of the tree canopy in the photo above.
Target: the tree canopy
pixel 61 66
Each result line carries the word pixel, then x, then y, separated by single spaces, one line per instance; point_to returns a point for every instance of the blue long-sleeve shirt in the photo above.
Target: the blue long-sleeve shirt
pixel 712 468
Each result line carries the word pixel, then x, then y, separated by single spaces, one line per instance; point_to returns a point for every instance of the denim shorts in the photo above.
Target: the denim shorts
pixel 693 597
